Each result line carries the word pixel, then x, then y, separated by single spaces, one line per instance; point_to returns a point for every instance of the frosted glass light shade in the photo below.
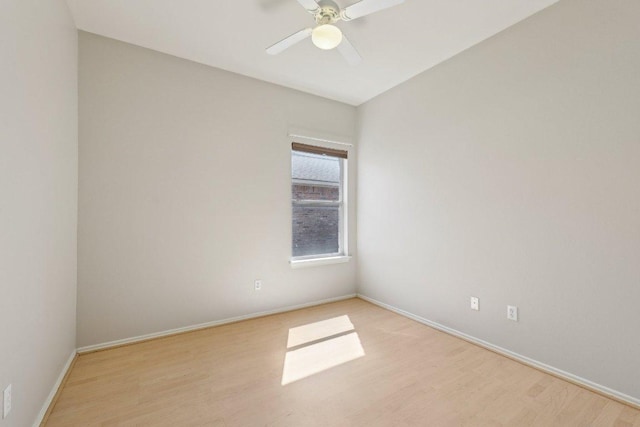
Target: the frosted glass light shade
pixel 326 36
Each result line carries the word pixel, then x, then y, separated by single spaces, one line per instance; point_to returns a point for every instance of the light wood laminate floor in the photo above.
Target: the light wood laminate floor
pixel 389 371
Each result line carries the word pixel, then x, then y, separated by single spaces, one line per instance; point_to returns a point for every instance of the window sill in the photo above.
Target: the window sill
pixel 303 263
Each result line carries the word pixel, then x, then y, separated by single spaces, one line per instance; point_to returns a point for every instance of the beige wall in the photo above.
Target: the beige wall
pixel 185 193
pixel 38 200
pixel 512 173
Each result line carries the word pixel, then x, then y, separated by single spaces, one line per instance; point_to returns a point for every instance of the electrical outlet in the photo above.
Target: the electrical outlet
pixel 475 303
pixel 7 401
pixel 257 285
pixel 512 313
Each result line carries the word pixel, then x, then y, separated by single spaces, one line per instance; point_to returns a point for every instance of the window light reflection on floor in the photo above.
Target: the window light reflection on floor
pixel 318 330
pixel 329 348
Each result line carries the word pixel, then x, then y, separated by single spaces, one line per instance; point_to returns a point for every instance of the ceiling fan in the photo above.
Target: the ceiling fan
pixel 327 36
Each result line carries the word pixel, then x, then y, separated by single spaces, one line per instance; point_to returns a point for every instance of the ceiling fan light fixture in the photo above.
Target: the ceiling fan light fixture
pixel 326 36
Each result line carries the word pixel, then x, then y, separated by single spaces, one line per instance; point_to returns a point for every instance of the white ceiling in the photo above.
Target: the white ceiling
pixel 396 44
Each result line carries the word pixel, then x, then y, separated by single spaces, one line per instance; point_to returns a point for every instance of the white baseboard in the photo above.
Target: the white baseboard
pixel 146 337
pixel 606 391
pixel 54 390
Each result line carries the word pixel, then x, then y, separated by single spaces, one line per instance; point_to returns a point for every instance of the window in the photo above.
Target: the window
pixel 318 202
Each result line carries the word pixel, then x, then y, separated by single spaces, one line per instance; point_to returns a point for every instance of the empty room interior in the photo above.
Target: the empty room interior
pixel 320 213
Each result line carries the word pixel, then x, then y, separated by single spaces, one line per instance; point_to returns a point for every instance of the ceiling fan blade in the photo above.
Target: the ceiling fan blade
pixel 349 52
pixel 289 41
pixel 366 7
pixel 310 5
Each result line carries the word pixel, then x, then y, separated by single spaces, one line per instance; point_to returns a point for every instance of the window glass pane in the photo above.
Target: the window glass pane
pixel 316 204
pixel 315 177
pixel 315 230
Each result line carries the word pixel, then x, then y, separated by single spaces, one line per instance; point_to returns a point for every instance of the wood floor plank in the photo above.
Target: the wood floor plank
pixel 409 375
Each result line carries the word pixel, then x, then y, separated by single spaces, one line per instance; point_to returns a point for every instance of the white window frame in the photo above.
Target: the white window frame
pixel 343 237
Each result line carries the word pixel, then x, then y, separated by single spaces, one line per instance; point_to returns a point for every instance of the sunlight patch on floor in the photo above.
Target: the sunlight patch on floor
pixel 319 330
pixel 320 346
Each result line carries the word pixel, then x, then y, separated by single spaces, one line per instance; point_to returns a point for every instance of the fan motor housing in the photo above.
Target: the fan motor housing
pixel 328 12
